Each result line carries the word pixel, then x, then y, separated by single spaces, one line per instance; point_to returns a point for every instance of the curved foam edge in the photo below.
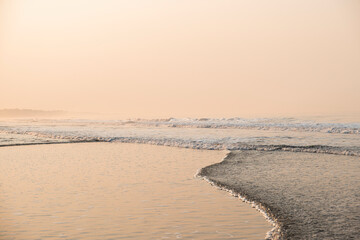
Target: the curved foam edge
pixel 275 232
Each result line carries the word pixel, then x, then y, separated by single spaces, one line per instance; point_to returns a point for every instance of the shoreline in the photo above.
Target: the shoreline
pixel 275 233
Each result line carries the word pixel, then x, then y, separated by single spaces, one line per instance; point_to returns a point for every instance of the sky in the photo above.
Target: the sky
pixel 198 58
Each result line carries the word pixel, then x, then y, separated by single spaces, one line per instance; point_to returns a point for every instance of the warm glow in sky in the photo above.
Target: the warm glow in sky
pixel 195 58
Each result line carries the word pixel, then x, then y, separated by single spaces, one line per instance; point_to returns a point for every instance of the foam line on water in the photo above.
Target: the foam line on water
pixel 213 144
pixel 284 124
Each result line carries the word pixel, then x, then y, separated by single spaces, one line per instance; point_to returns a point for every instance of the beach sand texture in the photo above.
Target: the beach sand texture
pixel 312 196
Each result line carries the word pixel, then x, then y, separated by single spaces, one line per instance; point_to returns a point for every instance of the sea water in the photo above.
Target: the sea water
pixel 309 195
pixel 117 191
pixel 320 136
pixel 285 134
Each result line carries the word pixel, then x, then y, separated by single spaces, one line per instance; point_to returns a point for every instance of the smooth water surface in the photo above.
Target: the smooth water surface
pixel 117 191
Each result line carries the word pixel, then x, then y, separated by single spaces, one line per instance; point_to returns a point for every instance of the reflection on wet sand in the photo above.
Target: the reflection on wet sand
pixel 114 191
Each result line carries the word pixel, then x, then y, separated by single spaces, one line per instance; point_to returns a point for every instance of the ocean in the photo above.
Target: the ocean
pixel 260 150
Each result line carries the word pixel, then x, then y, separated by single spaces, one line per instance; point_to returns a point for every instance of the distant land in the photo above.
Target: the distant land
pixel 19 113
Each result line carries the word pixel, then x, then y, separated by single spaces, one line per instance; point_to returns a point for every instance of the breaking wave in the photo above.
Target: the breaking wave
pixel 262 134
pixel 284 124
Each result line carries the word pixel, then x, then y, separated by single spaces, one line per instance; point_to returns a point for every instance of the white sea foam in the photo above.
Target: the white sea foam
pixel 213 134
pixel 285 124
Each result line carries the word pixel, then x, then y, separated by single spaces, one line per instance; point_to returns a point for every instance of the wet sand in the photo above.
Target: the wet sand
pixel 117 191
pixel 311 196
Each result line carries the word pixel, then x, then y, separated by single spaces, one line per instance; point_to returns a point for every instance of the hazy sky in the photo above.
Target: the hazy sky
pixel 196 58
